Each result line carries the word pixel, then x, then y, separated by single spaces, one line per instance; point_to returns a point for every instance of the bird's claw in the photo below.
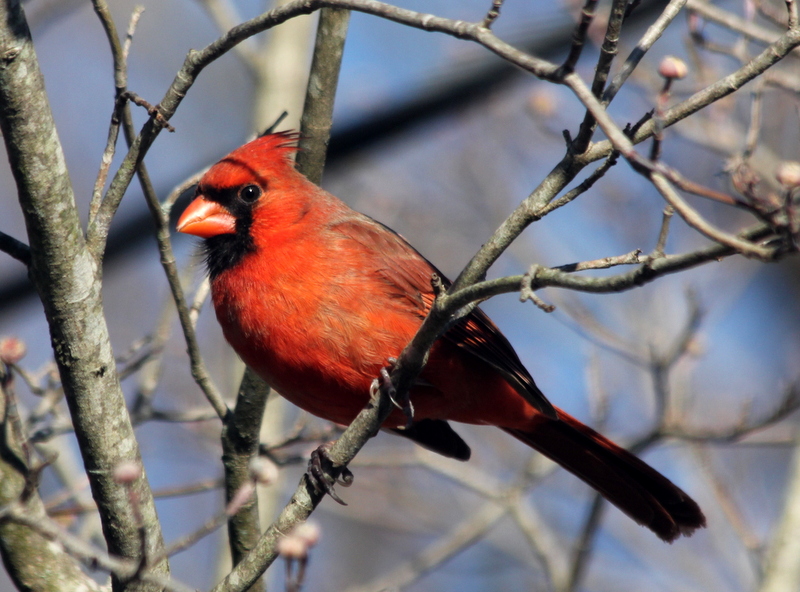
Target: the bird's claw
pixel 320 468
pixel 385 383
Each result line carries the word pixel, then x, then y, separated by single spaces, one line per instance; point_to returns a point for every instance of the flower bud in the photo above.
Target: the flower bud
pixel 542 102
pixel 672 67
pixel 127 472
pixel 12 350
pixel 788 173
pixel 308 531
pixel 293 547
pixel 263 470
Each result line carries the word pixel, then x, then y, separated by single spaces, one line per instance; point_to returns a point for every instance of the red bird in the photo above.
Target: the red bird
pixel 315 297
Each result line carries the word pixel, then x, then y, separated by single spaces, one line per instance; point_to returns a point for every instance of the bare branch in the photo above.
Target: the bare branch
pixel 240 444
pixel 650 37
pixel 122 569
pixel 696 221
pixel 67 278
pixel 17 249
pixel 733 22
pixel 608 52
pixel 631 258
pixel 493 13
pixel 782 568
pixel 475 527
pixel 727 503
pixel 315 127
pixel 792 20
pixel 199 370
pixel 755 118
pixel 654 268
pixel 120 55
pixel 663 233
pixel 225 16
pixel 579 37
pixel 19 543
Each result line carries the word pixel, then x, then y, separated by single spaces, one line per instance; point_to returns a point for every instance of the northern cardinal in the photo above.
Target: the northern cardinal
pixel 315 297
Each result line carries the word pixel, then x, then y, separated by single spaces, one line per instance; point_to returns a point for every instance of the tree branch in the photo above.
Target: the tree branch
pixel 67 278
pixel 315 127
pixel 17 249
pixel 19 543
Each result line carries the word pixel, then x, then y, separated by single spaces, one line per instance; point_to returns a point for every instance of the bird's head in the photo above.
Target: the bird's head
pixel 257 181
pixel 240 183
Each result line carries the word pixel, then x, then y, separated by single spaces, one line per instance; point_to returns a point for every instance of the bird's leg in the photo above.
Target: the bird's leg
pixel 385 382
pixel 323 474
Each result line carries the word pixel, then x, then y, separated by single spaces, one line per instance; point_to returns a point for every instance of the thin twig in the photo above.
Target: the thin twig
pixel 757 99
pixel 165 492
pixel 646 273
pixel 493 13
pixel 106 159
pixel 17 249
pixel 180 189
pixel 152 110
pixel 693 218
pixel 132 23
pixel 199 370
pixel 726 502
pixel 688 186
pixel 632 258
pixel 658 120
pixel 787 405
pixel 584 186
pixel 226 17
pixel 472 529
pixel 579 37
pixel 582 550
pixel 652 35
pixel 663 233
pixel 200 296
pixel 608 52
pixel 119 55
pixel 94 558
pixel 733 22
pixel 791 9
pixel 526 293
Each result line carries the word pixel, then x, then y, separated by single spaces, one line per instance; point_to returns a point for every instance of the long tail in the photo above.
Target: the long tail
pixel 633 486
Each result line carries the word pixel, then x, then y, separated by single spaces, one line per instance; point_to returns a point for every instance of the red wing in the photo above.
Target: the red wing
pixel 408 275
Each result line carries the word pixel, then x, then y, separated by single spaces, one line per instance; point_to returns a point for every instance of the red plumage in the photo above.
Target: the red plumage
pixel 315 297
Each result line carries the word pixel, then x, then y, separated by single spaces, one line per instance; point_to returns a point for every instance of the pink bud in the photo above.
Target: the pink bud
pixel 672 67
pixel 293 547
pixel 127 472
pixel 542 102
pixel 308 531
pixel 263 470
pixel 12 350
pixel 788 174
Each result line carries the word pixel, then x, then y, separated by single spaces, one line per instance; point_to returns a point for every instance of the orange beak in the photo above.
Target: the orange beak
pixel 205 219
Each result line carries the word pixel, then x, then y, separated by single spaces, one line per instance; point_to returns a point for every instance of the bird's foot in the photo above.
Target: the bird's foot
pixel 385 383
pixel 323 474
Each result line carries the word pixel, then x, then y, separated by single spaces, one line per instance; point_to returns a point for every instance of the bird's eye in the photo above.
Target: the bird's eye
pixel 250 193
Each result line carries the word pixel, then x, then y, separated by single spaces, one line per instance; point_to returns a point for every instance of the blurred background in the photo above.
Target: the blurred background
pixel 438 139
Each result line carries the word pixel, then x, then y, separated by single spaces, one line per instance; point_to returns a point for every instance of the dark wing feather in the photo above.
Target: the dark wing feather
pixel 409 273
pixel 479 336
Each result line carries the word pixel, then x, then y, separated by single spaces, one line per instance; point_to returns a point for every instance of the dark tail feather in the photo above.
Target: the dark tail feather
pixel 633 486
pixel 436 435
